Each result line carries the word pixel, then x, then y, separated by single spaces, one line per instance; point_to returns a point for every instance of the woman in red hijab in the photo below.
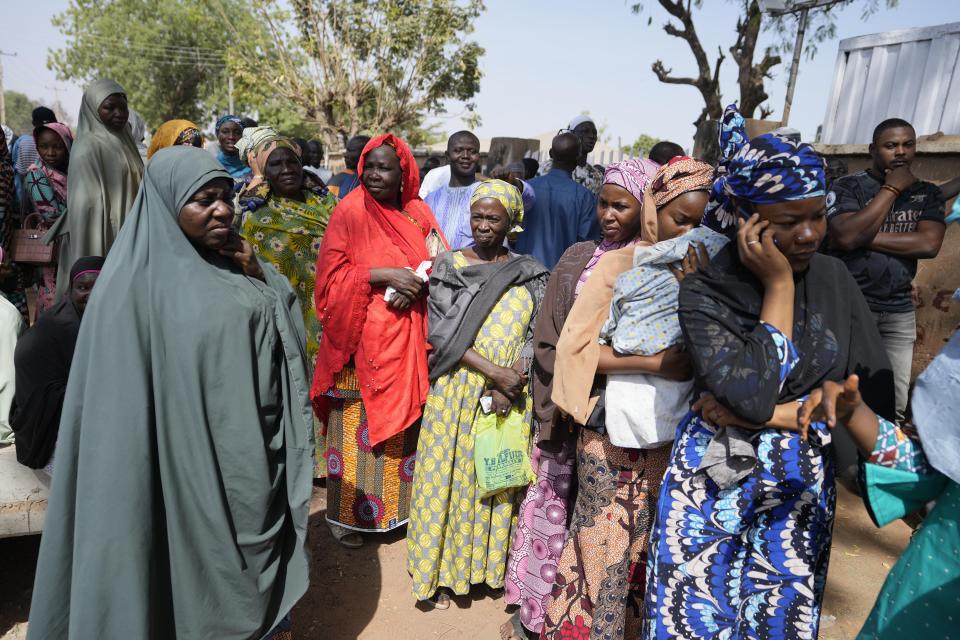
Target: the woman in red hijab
pixel 370 383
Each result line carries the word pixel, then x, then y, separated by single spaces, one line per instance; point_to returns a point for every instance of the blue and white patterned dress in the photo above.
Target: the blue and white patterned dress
pixel 748 561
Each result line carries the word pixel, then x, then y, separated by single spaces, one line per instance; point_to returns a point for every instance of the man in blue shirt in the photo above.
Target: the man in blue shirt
pixel 565 212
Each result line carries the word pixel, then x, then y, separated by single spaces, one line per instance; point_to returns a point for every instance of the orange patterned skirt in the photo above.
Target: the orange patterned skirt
pixel 598 590
pixel 368 488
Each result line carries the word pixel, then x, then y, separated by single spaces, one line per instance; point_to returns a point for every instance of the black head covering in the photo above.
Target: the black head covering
pixel 88 263
pixel 42 360
pixel 42 116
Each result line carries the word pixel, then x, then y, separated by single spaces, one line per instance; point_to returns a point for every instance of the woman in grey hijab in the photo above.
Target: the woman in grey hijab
pixel 179 508
pixel 105 172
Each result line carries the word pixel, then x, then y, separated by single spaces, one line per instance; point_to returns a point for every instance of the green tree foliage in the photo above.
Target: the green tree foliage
pixel 641 146
pixel 355 66
pixel 19 108
pixel 169 56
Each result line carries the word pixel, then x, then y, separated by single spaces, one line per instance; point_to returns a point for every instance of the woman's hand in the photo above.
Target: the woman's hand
pixel 717 414
pixel 399 301
pixel 501 403
pixel 841 402
pixel 508 381
pixel 831 403
pixel 696 258
pixel 404 281
pixel 242 254
pixel 759 253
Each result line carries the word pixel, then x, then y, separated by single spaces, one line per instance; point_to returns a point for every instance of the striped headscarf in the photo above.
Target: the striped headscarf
pixel 773 167
pixel 680 175
pixel 507 195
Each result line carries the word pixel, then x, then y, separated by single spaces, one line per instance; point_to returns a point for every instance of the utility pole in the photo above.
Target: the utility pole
pixel 230 92
pixel 777 8
pixel 59 105
pixel 3 100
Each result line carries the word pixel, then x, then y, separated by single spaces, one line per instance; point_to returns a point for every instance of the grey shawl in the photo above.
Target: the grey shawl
pixel 461 299
pixel 105 173
pixel 181 494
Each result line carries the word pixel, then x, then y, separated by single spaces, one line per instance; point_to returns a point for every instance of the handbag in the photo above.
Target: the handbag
pixel 27 245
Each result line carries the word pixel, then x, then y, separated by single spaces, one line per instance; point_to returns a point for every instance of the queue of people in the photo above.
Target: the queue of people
pixel 609 396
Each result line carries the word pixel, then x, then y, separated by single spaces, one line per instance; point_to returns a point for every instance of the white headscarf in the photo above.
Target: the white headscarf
pixel 579 120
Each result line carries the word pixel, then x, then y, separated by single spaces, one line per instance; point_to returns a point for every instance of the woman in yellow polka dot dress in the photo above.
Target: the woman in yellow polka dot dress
pixel 483 302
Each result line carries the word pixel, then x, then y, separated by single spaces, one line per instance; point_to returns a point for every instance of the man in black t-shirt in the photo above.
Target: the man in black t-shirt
pixel 881 221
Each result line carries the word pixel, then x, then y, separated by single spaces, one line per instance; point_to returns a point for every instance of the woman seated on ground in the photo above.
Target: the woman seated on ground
pixel 374 317
pixel 286 227
pixel 542 520
pixel 180 509
pixel 765 323
pixel 482 305
pixel 898 479
pixel 43 358
pixel 47 185
pixel 617 486
pixel 175 132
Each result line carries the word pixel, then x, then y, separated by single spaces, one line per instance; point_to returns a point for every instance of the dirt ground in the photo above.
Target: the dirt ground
pixel 365 593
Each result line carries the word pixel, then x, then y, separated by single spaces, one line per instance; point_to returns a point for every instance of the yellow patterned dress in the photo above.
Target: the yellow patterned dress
pixel 456 539
pixel 287 234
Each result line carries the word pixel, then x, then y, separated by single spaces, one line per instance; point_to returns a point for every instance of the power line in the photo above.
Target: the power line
pixel 167 48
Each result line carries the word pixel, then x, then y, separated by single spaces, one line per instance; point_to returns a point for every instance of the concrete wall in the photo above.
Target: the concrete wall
pixel 938 315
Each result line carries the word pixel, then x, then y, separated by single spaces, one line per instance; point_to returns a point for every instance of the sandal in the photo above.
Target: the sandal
pixel 440 600
pixel 346 537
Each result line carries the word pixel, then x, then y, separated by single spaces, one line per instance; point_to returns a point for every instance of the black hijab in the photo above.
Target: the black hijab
pixel 42 359
pixel 734 358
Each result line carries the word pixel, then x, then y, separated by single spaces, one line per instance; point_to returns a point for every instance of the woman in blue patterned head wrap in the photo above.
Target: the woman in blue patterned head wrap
pixel 774 167
pixel 742 528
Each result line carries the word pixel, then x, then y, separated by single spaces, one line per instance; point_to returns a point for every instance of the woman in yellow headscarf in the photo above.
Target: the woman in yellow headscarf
pixel 482 306
pixel 175 132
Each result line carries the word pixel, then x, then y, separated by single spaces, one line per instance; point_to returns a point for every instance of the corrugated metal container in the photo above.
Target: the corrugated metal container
pixel 910 74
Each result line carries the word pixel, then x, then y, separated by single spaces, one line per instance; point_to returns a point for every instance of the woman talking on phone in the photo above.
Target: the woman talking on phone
pixel 742 533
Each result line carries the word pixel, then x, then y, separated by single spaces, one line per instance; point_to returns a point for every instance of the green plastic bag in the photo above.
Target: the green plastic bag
pixel 501 451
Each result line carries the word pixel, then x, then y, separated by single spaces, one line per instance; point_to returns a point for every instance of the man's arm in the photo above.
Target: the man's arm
pixel 588 228
pixel 924 243
pixel 855 229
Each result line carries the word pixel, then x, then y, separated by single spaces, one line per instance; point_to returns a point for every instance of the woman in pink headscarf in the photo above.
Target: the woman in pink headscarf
pixel 46 182
pixel 541 534
pixel 598 590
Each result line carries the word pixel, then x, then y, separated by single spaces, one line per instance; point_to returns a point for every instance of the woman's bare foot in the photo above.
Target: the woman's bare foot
pixel 512 629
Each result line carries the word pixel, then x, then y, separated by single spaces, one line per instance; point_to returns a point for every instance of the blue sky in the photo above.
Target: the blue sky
pixel 548 60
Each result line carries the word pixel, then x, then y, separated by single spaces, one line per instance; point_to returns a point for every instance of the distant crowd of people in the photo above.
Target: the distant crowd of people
pixel 609 393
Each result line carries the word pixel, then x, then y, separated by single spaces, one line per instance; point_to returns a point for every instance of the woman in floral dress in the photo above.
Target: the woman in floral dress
pixel 286 227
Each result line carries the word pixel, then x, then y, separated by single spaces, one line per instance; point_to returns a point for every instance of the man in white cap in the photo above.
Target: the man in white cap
pixel 585 174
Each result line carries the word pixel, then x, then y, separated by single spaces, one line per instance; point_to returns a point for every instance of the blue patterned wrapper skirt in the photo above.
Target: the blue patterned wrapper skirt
pixel 749 561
